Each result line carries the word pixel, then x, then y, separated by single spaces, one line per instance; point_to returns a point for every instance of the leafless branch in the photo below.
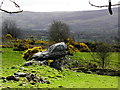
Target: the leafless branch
pixel 16 5
pixel 102 5
pixel 11 12
pixel 109 6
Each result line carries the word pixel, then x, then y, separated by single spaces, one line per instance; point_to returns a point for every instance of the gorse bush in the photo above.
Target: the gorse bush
pixel 76 47
pixel 84 47
pixel 27 41
pixel 41 42
pixel 8 36
pixel 6 46
pixel 20 46
pixel 72 49
pixel 29 53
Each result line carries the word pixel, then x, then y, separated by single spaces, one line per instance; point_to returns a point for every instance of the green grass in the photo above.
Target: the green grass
pixel 11 57
pixel 86 57
pixel 66 79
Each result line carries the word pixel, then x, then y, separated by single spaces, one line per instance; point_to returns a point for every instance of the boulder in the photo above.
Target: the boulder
pixel 55 51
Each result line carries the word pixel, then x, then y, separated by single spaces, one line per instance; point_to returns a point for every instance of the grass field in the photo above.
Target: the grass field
pixel 65 79
pixel 86 57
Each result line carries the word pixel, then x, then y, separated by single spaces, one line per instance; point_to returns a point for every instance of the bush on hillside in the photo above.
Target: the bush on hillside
pixel 29 53
pixel 76 47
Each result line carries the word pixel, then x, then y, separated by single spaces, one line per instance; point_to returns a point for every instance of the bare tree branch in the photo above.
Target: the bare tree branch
pixel 16 5
pixel 102 5
pixel 11 12
pixel 109 6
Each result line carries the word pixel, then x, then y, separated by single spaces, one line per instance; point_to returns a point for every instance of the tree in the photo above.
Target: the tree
pixel 103 52
pixel 58 31
pixel 10 27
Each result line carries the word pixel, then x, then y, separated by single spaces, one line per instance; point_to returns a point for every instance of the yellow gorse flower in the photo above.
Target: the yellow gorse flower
pixel 50 61
pixel 9 36
pixel 28 53
pixel 75 46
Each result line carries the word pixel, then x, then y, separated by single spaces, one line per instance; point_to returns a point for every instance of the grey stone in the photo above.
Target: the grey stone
pixel 2 77
pixel 45 81
pixel 22 68
pixel 89 72
pixel 28 63
pixel 19 74
pixel 4 81
pixel 55 51
pixel 12 67
pixel 12 78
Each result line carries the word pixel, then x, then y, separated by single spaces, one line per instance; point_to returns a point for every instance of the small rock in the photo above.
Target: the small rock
pixel 78 75
pixel 17 78
pixel 33 71
pixel 47 82
pixel 20 74
pixel 21 84
pixel 59 76
pixel 2 77
pixel 74 71
pixel 60 86
pixel 8 87
pixel 4 81
pixel 12 78
pixel 33 83
pixel 28 63
pixel 22 68
pixel 89 72
pixel 43 77
pixel 12 67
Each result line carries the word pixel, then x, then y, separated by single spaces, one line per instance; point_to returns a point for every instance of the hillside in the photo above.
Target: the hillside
pixel 57 79
pixel 91 22
pixel 77 20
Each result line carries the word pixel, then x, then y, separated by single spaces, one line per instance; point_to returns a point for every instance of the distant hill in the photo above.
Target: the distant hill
pixel 78 21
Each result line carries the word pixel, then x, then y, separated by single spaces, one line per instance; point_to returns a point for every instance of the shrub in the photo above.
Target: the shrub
pixel 84 47
pixel 27 41
pixel 8 36
pixel 91 45
pixel 6 46
pixel 58 31
pixel 29 53
pixel 76 47
pixel 20 47
pixel 72 49
pixel 103 52
pixel 41 42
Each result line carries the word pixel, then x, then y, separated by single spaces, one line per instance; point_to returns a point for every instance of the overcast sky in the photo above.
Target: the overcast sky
pixel 55 5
